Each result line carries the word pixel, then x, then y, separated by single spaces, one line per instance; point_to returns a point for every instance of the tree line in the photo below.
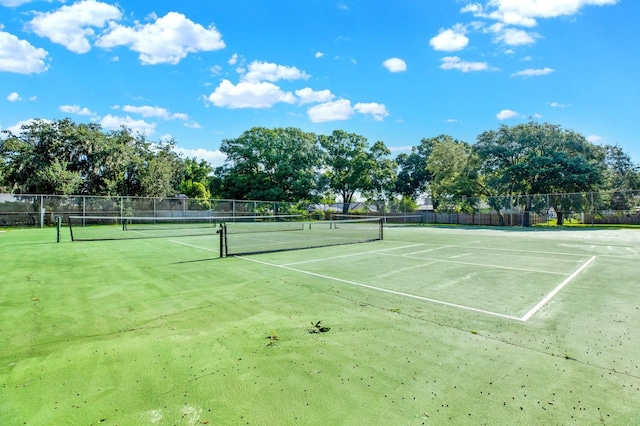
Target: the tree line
pixel 288 164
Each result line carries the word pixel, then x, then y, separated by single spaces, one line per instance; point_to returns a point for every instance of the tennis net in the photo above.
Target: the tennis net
pixel 93 228
pixel 252 238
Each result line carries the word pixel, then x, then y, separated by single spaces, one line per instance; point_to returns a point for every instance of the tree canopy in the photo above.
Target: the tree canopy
pixel 279 164
pixel 289 164
pixel 536 158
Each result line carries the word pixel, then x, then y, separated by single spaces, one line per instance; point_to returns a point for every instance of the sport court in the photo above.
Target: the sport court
pixel 431 325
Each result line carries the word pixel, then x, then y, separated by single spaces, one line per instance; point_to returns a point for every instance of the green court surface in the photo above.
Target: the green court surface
pixel 432 325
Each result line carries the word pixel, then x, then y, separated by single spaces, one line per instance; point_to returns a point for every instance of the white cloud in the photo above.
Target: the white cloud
pixel 531 72
pixel 395 65
pixel 75 109
pixel 166 41
pixel 594 138
pixel 474 8
pixel 13 3
pixel 405 148
pixel 192 124
pixel 558 105
pixel 309 96
pixel 233 59
pixel 506 114
pixel 450 40
pixel 249 95
pixel 265 71
pixel 16 129
pixel 331 111
pixel 525 12
pixel 516 37
pixel 455 63
pixel 215 158
pixel 14 97
pixel 112 122
pixel 156 112
pixel 71 26
pixel 19 56
pixel 319 54
pixel 377 111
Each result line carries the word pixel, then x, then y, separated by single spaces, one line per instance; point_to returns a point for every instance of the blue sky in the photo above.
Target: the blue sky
pixel 201 71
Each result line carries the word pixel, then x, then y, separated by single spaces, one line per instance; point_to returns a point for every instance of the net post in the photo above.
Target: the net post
pixel 58 226
pixel 223 239
pixel 71 228
pixel 381 228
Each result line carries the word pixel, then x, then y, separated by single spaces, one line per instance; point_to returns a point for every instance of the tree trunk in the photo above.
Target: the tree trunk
pixel 346 202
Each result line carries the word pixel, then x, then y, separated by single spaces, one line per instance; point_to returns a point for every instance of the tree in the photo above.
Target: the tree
pixel 622 179
pixel 383 176
pixel 55 178
pixel 160 171
pixel 61 156
pixel 42 149
pixel 536 158
pixel 453 168
pixel 413 175
pixel 196 179
pixel 279 164
pixel 348 165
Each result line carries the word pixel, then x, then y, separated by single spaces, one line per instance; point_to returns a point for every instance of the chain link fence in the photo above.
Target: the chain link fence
pixel 615 207
pixel 42 210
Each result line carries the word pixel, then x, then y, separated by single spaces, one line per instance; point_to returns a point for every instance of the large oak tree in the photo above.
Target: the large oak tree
pixel 281 164
pixel 540 158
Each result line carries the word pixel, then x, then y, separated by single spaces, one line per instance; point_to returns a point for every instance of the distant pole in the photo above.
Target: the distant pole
pixel 42 211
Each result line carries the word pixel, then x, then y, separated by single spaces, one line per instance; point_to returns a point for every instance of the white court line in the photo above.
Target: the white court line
pixel 476 264
pixel 425 251
pixel 461 255
pixel 548 259
pixel 524 318
pixel 351 255
pixel 398 293
pixel 555 291
pixel 198 247
pixel 520 250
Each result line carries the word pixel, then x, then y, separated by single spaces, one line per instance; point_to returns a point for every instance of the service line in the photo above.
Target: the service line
pixel 555 291
pixel 385 290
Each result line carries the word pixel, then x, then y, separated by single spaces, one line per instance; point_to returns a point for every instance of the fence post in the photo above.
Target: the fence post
pixel 548 208
pixel 510 210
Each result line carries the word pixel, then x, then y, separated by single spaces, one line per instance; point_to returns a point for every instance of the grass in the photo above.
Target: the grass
pixel 154 332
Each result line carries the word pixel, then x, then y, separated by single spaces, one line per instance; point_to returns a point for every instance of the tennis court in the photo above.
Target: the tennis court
pixel 431 325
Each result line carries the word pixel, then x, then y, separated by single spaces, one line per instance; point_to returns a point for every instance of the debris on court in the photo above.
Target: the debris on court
pixel 318 328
